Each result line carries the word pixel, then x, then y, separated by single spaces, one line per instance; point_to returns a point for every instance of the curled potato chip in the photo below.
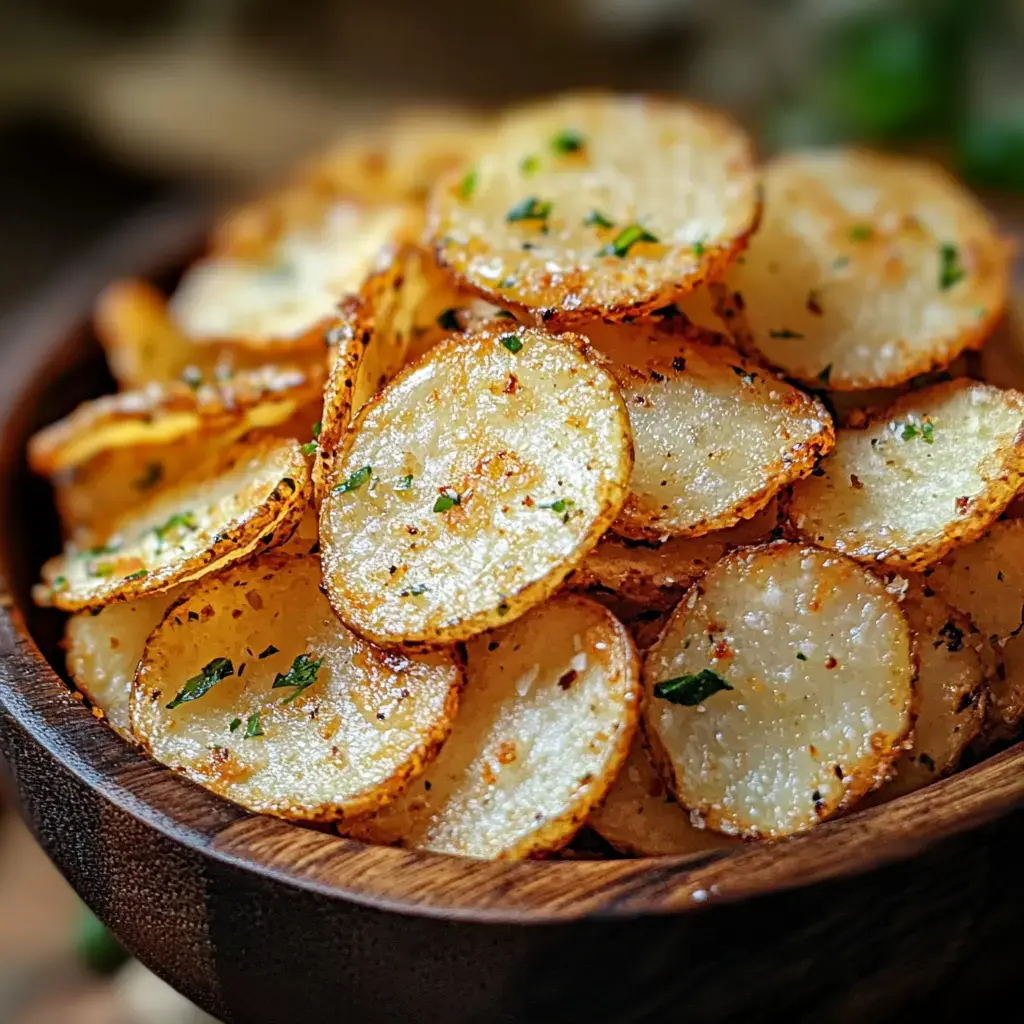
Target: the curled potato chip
pixel 251 495
pixel 655 575
pixel 252 688
pixel 781 690
pixel 167 412
pixel 952 690
pixel 715 436
pixel 639 816
pixel 931 472
pixel 104 649
pixel 547 717
pixel 867 270
pixel 598 205
pixel 986 582
pixel 472 485
pixel 285 299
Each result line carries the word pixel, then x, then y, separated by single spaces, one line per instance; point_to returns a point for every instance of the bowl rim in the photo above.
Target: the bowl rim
pixel 35 700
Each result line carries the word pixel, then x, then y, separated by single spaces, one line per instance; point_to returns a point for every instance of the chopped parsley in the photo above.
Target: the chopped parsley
pixel 530 208
pixel 235 723
pixel 625 240
pixel 529 164
pixel 784 332
pixel 103 569
pixel 568 140
pixel 355 480
pixel 825 374
pixel 697 248
pixel 596 219
pixel 317 427
pixel 302 675
pixel 950 269
pixel 60 583
pixel 309 448
pixel 800 656
pixel 405 483
pixel 253 726
pixel 447 499
pixel 925 431
pixel 469 183
pixel 198 685
pixel 690 690
pixel 268 651
pixel 449 320
pixel 102 549
pixel 861 232
pixel 511 342
pixel 179 521
pixel 137 575
pixel 151 476
pixel 562 507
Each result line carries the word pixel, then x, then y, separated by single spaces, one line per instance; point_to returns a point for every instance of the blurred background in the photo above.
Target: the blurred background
pixel 109 105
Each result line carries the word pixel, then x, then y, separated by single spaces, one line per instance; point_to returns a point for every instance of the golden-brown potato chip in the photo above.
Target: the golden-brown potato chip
pixel 251 495
pixel 598 205
pixel 781 690
pixel 547 718
pixel 868 270
pixel 639 816
pixel 252 688
pixel 715 436
pixel 472 485
pixel 931 472
pixel 104 649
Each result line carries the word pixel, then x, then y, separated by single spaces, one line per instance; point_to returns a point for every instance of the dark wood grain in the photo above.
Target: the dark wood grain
pixel 261 921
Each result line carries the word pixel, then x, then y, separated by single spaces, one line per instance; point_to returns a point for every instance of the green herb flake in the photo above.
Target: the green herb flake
pixel 302 675
pixel 268 651
pixel 235 723
pixel 103 569
pixel 253 727
pixel 784 332
pixel 137 575
pixel 447 499
pixel 697 249
pixel 625 240
pixel 596 219
pixel 354 481
pixel 825 374
pixel 950 269
pixel 511 342
pixel 800 656
pixel 469 183
pixel 928 433
pixel 405 484
pixel 562 507
pixel 317 427
pixel 691 690
pixel 449 320
pixel 309 448
pixel 529 164
pixel 908 431
pixel 861 232
pixel 198 685
pixel 179 521
pixel 568 140
pixel 60 583
pixel 530 208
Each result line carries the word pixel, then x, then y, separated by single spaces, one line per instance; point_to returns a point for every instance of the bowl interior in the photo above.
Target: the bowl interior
pixel 53 362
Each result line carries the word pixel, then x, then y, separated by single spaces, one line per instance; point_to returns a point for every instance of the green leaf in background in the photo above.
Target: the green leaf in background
pixel 97 949
pixel 991 152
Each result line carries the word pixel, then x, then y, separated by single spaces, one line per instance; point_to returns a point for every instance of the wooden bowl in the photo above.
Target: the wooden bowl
pixel 262 922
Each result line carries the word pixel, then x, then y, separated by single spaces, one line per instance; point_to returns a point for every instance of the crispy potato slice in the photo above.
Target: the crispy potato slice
pixel 781 690
pixel 715 436
pixel 318 725
pixel 656 575
pixel 986 582
pixel 251 495
pixel 472 485
pixel 598 205
pixel 399 161
pixel 868 270
pixel 104 649
pixel 931 472
pixel 952 689
pixel 285 299
pixel 639 816
pixel 547 718
pixel 165 413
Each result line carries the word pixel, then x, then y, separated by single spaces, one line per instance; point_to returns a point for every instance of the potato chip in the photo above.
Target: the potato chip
pixel 547 718
pixel 715 436
pixel 868 270
pixel 472 485
pixel 639 816
pixel 986 582
pixel 252 688
pixel 931 472
pixel 251 495
pixel 781 690
pixel 104 649
pixel 598 205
